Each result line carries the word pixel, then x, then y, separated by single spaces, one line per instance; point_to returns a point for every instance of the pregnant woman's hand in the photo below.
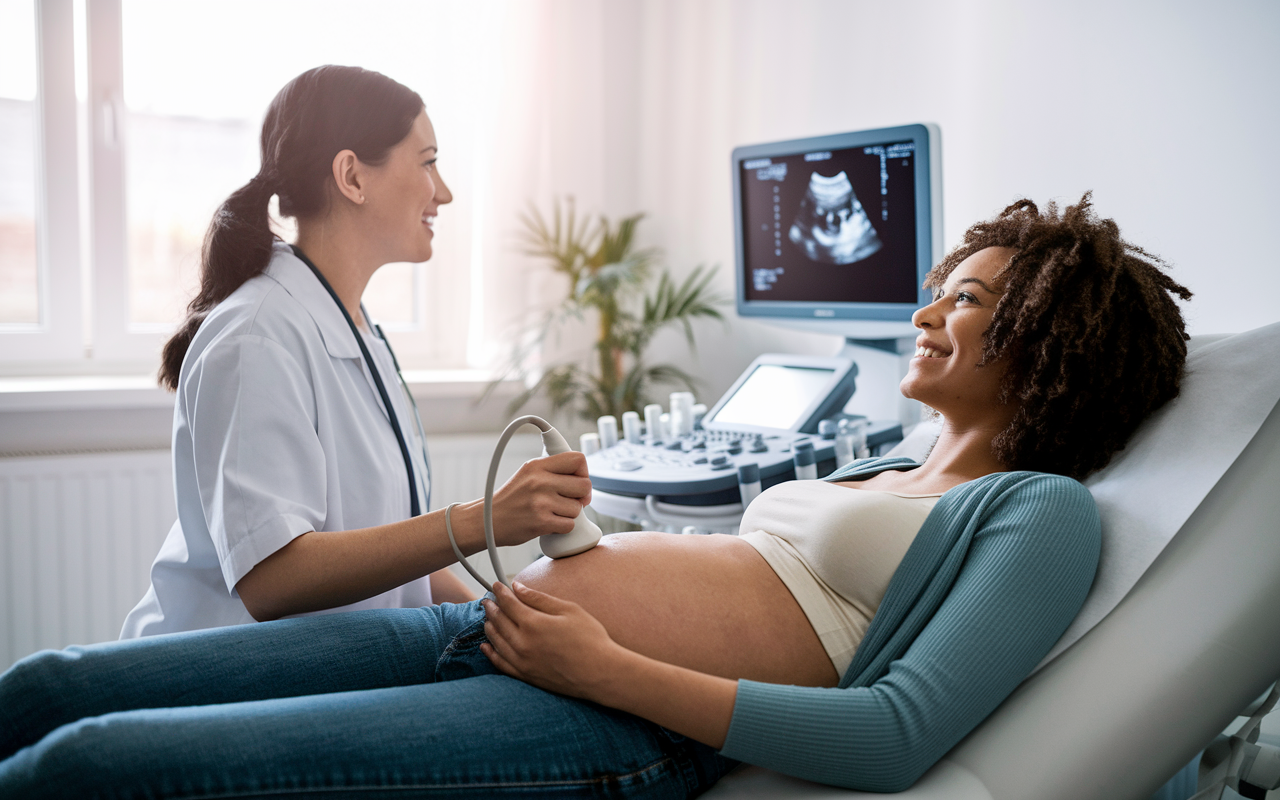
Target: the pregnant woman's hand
pixel 544 496
pixel 556 645
pixel 551 643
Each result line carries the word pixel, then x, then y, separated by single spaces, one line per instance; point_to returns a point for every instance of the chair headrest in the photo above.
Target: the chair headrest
pixel 1174 460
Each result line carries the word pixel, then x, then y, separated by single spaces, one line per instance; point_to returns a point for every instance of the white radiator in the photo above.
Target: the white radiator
pixel 77 537
pixel 78 534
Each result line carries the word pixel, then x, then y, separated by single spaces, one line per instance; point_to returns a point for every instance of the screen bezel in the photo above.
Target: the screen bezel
pixel 920 136
pixel 839 365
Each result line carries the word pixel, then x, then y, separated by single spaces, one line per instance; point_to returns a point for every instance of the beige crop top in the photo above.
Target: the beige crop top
pixel 835 548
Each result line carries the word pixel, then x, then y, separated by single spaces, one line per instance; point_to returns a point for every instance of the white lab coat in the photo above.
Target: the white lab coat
pixel 278 430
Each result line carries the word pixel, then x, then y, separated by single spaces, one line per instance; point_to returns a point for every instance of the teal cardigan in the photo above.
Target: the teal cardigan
pixel 995 575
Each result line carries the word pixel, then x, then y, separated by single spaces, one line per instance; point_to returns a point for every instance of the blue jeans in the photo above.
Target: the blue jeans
pixel 397 703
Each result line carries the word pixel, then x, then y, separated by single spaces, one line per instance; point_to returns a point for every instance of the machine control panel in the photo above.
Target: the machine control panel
pixel 690 455
pixel 702 468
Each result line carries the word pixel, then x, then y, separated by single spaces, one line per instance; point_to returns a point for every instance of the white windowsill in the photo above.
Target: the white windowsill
pixel 427 384
pixel 84 392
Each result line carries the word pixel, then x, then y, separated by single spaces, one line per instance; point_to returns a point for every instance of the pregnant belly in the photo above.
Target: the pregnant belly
pixel 709 603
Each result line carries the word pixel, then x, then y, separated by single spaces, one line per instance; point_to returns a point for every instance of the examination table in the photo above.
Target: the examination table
pixel 1181 653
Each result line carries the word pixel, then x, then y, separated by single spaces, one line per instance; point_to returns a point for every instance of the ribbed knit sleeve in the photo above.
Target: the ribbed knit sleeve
pixel 1029 557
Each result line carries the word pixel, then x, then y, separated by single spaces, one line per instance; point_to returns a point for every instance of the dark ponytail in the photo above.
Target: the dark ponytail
pixel 314 117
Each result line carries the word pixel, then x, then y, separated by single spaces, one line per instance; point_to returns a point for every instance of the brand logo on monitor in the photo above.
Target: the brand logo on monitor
pixel 823 312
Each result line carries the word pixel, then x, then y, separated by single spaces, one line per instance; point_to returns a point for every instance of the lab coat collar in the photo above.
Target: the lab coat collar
pixel 297 279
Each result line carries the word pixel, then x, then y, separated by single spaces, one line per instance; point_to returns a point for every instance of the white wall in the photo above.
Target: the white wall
pixel 1166 110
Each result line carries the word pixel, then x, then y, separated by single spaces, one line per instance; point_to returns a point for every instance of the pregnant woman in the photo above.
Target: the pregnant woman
pixel 855 631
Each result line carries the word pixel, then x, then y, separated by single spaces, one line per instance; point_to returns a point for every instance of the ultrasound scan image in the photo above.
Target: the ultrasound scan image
pixel 831 226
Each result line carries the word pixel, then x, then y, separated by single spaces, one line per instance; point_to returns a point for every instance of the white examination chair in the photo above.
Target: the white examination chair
pixel 1187 648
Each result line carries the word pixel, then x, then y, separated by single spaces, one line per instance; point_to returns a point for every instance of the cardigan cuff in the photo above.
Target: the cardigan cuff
pixel 760 711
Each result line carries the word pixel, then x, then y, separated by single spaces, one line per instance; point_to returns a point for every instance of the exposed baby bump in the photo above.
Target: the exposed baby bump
pixel 710 603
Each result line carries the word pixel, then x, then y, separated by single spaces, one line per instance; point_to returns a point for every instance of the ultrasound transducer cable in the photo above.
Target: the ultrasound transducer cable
pixel 583 537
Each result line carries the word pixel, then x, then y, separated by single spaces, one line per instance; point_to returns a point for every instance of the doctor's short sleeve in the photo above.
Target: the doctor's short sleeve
pixel 260 467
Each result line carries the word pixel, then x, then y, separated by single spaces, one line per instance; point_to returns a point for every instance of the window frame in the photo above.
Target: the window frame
pixel 58 335
pixel 115 337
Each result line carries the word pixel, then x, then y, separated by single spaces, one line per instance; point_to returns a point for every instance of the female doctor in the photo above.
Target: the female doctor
pixel 300 477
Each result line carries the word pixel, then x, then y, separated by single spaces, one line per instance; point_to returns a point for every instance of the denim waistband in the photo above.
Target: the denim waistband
pixel 698 765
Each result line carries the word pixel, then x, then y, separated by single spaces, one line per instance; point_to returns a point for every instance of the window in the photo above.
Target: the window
pixel 19 275
pixel 40 254
pixel 172 100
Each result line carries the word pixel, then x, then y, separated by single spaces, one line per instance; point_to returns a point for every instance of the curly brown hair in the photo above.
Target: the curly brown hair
pixel 1087 324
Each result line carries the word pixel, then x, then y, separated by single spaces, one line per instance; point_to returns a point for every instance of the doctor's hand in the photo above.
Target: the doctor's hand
pixel 551 643
pixel 544 496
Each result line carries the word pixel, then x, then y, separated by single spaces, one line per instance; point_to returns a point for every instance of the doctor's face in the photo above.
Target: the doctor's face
pixel 404 193
pixel 945 372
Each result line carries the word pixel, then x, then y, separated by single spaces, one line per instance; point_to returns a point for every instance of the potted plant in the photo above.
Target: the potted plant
pixel 611 281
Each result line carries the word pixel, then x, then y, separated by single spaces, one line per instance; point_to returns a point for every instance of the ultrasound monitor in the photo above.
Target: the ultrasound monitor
pixel 836 233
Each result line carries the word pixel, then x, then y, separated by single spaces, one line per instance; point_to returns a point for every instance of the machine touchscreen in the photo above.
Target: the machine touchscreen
pixel 774 396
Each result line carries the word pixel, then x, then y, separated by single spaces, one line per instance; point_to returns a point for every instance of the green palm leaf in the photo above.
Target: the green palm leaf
pixel 608 275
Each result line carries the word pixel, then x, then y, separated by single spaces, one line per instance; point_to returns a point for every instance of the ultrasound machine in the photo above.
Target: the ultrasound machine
pixel 834 234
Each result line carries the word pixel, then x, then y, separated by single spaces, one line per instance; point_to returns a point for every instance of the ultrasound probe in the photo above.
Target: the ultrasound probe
pixel 583 537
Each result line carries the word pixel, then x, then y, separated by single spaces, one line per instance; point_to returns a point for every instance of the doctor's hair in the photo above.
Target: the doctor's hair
pixel 1090 331
pixel 314 117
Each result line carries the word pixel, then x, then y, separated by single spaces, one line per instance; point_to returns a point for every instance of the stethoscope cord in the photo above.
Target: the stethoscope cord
pixel 414 509
pixel 417 418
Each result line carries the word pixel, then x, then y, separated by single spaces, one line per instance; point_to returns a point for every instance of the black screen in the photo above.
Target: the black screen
pixel 831 226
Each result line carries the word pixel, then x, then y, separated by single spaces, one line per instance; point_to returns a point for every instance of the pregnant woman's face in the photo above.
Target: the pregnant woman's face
pixel 946 372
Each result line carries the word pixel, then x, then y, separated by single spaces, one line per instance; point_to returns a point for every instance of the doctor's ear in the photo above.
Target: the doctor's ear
pixel 347 175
